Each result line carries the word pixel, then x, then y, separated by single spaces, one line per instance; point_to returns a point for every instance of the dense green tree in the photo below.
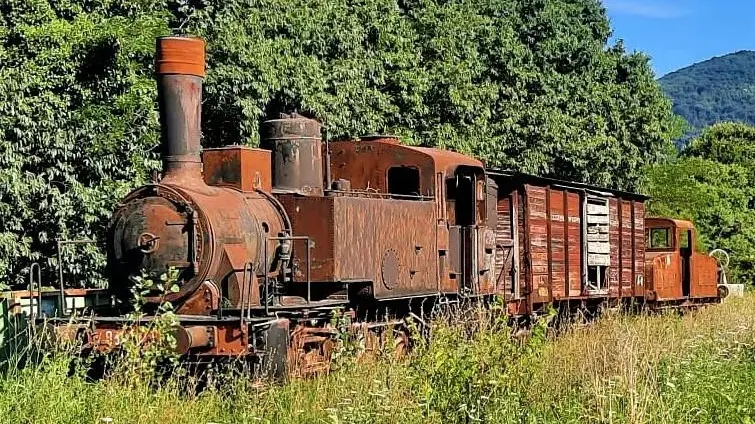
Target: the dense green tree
pixel 729 143
pixel 713 184
pixel 528 85
pixel 77 121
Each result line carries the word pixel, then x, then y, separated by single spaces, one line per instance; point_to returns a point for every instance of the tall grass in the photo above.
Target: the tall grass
pixel 636 369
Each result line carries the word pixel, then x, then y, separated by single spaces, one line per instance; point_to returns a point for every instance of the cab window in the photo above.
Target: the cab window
pixel 684 240
pixel 403 181
pixel 659 238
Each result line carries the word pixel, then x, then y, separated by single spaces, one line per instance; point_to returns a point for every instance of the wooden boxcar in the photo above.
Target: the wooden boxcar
pixel 560 242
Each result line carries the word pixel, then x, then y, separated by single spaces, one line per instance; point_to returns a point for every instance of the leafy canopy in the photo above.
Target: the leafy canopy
pixel 713 184
pixel 530 85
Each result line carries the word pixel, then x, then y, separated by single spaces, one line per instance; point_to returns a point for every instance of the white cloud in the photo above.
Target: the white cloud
pixel 645 8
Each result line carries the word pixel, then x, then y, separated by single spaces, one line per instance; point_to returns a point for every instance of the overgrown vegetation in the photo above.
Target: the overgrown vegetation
pixel 633 369
pixel 529 85
pixel 712 183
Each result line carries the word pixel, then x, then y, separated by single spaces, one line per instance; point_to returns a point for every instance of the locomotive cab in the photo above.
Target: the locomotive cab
pixel 395 221
pixel 471 242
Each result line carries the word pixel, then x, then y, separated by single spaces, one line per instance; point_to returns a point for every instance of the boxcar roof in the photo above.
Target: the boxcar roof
pixel 537 180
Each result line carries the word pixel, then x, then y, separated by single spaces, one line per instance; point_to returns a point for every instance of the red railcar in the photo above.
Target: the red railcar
pixel 676 272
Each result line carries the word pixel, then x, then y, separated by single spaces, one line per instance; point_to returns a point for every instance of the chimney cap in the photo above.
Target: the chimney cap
pixel 179 55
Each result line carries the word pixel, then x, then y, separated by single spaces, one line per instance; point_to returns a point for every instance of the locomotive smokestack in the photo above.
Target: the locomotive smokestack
pixel 180 68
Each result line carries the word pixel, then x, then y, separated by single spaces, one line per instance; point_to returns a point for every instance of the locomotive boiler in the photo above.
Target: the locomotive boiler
pixel 268 243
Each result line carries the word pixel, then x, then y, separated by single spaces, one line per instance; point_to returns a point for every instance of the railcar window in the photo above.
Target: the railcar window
pixel 403 181
pixel 659 238
pixel 684 240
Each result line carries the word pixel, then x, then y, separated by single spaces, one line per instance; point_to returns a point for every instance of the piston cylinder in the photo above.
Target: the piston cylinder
pixel 296 143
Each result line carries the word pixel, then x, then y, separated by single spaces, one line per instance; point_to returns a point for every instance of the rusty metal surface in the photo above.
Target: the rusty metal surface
pixel 310 350
pixel 665 265
pixel 362 237
pixel 664 277
pixel 180 98
pixel 390 269
pixel 210 234
pixel 226 339
pixel 194 337
pixel 365 164
pixel 704 276
pixel 296 143
pixel 243 168
pixel 180 55
pixel 447 161
pixel 351 239
pixel 486 269
pixel 312 216
pixel 202 302
pixel 179 64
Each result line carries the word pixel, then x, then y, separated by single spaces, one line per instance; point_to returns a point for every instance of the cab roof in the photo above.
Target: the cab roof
pixel 677 223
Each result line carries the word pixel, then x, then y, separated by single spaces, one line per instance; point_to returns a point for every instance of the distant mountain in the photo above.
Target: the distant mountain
pixel 718 89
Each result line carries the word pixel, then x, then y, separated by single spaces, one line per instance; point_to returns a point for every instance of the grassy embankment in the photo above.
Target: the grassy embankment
pixel 696 368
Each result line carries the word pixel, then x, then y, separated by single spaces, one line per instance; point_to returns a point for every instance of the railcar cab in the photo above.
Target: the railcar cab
pixel 675 271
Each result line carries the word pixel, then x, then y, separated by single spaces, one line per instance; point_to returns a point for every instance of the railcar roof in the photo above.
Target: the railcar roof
pixel 678 223
pixel 535 179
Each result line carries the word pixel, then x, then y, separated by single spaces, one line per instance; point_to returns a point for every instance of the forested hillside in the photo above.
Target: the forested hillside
pixel 522 84
pixel 717 90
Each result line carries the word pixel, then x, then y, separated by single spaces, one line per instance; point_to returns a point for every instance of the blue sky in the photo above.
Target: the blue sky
pixel 678 33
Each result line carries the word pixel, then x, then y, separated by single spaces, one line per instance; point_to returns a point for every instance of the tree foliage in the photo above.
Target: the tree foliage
pixel 528 85
pixel 713 184
pixel 77 121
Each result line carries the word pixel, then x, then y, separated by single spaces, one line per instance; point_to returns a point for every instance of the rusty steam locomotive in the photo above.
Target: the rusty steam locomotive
pixel 269 241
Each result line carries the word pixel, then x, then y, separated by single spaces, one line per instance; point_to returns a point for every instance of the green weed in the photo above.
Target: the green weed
pixel 620 369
